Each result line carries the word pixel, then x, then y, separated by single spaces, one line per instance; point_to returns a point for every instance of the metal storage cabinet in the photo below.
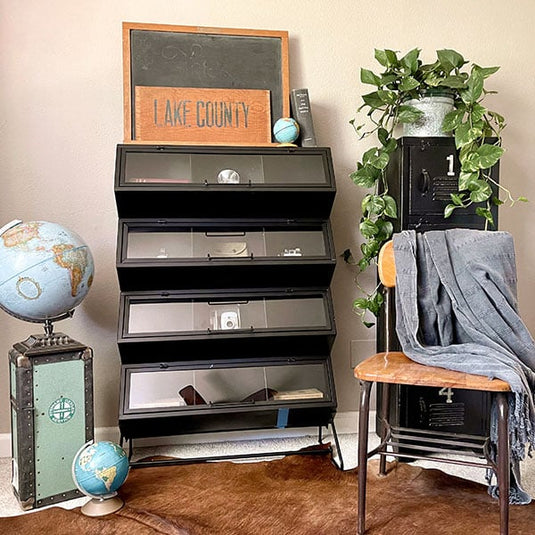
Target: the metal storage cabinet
pixel 421 175
pixel 51 383
pixel 224 259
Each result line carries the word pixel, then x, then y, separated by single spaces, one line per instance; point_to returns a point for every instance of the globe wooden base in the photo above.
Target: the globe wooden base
pixel 102 507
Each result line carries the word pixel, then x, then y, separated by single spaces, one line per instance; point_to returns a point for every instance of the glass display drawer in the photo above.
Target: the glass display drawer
pixel 169 398
pixel 171 181
pixel 193 324
pixel 222 251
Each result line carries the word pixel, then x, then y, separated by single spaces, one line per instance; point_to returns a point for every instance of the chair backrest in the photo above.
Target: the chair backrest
pixel 386 265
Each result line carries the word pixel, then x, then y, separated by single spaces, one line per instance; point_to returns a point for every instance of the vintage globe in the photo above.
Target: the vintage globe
pixel 45 270
pixel 99 469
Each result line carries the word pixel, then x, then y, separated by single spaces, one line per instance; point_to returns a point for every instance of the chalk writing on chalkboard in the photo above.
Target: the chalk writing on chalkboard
pixel 195 57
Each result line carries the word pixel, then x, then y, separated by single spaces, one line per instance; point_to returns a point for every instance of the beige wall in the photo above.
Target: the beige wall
pixel 61 117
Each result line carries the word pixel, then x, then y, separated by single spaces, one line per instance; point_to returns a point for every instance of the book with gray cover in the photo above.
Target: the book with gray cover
pixel 302 113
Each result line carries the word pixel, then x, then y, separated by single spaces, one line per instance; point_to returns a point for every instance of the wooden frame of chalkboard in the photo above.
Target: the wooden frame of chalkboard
pixel 163 55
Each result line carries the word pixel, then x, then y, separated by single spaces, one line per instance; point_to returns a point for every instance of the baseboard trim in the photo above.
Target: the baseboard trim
pixel 345 422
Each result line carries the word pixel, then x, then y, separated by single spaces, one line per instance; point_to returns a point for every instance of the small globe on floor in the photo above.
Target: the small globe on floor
pixel 286 130
pixel 98 470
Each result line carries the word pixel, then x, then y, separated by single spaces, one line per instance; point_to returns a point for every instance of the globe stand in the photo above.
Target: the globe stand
pixel 103 506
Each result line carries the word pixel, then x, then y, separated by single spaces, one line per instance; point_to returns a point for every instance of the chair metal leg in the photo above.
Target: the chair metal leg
pixel 503 462
pixel 365 389
pixel 385 414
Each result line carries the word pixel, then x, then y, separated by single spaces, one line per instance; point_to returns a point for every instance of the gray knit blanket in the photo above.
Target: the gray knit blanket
pixel 456 308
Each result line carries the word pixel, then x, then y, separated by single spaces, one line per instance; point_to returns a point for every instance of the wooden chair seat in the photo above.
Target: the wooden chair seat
pixel 396 368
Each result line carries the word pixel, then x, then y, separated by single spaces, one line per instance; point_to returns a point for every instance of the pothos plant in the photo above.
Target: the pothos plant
pixel 477 131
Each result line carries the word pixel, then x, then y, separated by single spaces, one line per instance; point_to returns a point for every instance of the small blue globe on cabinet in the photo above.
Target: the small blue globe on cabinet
pixel 286 130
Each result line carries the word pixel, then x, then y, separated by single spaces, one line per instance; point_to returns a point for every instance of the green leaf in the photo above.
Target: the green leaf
pixel 454 81
pixel 474 88
pixel 364 204
pixel 387 58
pixel 486 71
pixel 368 228
pixel 470 163
pixel 368 155
pixel 385 229
pixel 466 150
pixel 489 155
pixel 408 83
pixel 486 213
pixel 477 112
pixel 452 120
pixel 375 303
pixel 375 204
pixel 498 119
pixel 361 303
pixel 466 178
pixel 410 60
pixel 370 249
pixel 480 191
pixel 380 161
pixel 457 199
pixel 388 79
pixel 390 207
pixel 391 146
pixel 465 134
pixel 363 263
pixel 449 209
pixel 368 77
pixel 388 97
pixel 391 57
pixel 383 135
pixel 380 56
pixel 408 114
pixel 523 199
pixel 450 59
pixel 373 100
pixel 366 176
pixel 433 79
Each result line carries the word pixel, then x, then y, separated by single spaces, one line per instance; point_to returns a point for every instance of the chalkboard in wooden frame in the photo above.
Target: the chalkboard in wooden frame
pixel 204 57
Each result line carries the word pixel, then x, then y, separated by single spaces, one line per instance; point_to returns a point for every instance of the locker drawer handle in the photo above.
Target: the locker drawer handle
pixel 424 183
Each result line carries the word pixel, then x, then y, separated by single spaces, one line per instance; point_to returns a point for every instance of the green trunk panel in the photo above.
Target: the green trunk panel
pixel 59 420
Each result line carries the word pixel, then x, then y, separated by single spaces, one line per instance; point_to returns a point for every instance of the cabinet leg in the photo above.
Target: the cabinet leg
pixel 337 444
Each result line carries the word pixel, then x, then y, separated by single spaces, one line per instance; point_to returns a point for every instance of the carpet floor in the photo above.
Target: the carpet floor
pixel 297 495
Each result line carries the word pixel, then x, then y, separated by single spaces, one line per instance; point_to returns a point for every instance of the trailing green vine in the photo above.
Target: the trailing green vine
pixel 476 129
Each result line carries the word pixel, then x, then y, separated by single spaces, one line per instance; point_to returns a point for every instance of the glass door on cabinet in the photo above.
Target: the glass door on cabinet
pixel 226 240
pixel 157 168
pixel 169 387
pixel 173 314
pixel 170 165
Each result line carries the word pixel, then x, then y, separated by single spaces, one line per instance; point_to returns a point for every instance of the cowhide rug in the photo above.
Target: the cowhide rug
pixel 297 495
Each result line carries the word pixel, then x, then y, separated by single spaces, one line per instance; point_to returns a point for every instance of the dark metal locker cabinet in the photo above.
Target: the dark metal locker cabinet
pixel 51 384
pixel 421 175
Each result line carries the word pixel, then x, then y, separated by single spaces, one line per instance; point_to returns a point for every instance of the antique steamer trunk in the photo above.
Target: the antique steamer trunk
pixel 51 416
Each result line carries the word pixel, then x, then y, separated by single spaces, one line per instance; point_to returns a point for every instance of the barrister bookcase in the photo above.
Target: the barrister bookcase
pixel 224 259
